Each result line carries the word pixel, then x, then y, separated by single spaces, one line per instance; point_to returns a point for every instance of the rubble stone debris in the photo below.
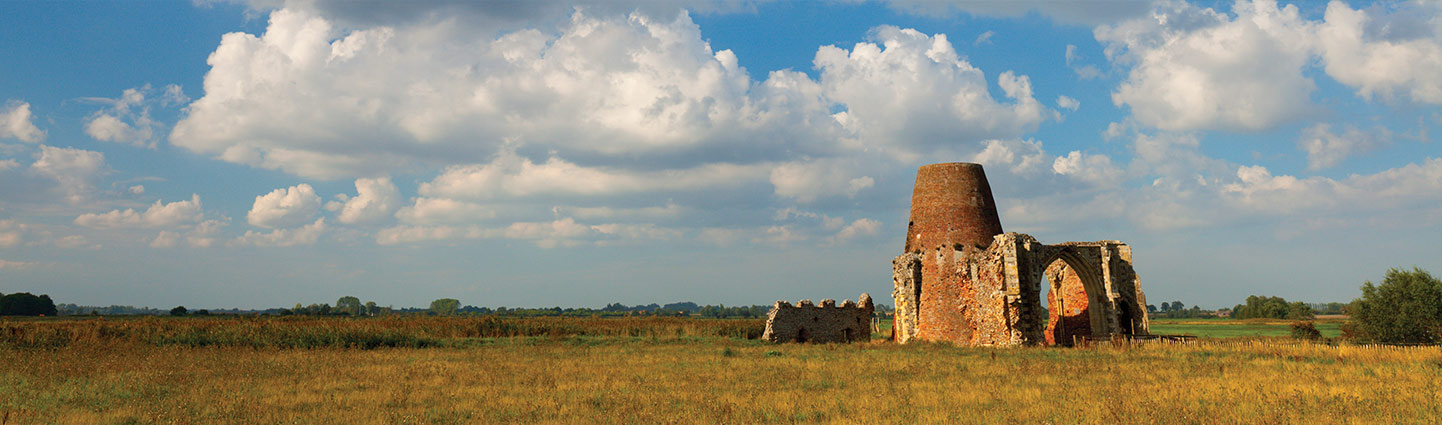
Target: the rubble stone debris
pixel 962 280
pixel 828 322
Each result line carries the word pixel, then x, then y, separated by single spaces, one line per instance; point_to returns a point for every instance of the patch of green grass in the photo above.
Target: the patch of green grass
pixel 1228 328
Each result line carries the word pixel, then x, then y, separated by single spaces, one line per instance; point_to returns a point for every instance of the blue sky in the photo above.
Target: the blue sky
pixel 258 154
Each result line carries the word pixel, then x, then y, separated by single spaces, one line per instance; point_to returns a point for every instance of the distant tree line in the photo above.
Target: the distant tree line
pixel 1177 310
pixel 345 306
pixel 1261 307
pixel 1256 307
pixel 114 310
pixel 352 306
pixel 1328 308
pixel 25 304
pixel 687 309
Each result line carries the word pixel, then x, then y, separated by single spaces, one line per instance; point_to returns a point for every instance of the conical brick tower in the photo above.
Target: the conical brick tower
pixel 951 205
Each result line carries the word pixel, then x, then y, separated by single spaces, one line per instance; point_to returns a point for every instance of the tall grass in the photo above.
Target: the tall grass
pixel 722 380
pixel 390 331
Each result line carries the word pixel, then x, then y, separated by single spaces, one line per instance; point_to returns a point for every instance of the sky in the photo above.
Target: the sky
pixel 551 153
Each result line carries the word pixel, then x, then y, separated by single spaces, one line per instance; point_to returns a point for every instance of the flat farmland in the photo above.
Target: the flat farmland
pixel 669 374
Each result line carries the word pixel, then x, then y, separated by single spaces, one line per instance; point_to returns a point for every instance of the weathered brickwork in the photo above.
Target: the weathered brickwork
pixel 1066 304
pixel 828 322
pixel 906 291
pixel 951 204
pixel 960 279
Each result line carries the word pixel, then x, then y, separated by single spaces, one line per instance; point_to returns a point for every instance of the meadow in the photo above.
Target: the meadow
pixel 671 370
pixel 1227 328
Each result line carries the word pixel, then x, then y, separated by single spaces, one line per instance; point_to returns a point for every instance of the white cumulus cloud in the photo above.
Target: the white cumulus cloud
pixel 1065 102
pixel 284 207
pixel 1195 68
pixel 915 90
pixel 443 211
pixel 16 122
pixel 1086 13
pixel 1022 157
pixel 1326 148
pixel 860 227
pixel 395 98
pixel 1397 188
pixel 509 175
pixel 303 235
pixel 376 199
pixel 159 215
pixel 1095 169
pixel 1385 55
pixel 808 181
pixel 75 169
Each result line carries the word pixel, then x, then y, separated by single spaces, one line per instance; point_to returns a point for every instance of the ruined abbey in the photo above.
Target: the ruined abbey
pixel 961 280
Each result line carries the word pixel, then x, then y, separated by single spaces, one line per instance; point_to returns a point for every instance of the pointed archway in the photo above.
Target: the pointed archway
pixel 1074 292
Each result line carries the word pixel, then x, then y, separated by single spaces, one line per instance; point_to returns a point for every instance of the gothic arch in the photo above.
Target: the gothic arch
pixel 1096 291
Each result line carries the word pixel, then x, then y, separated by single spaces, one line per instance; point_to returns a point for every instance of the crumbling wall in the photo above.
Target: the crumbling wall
pixel 948 296
pixel 906 293
pixel 991 295
pixel 828 322
pixel 969 295
pixel 1132 302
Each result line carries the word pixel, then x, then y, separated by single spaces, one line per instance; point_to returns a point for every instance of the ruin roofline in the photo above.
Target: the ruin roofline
pixel 865 302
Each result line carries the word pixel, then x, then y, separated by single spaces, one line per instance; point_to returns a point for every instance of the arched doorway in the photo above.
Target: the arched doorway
pixel 1069 291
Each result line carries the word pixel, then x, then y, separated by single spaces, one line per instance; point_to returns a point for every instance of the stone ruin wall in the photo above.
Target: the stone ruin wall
pixel 969 295
pixel 828 322
pixel 906 291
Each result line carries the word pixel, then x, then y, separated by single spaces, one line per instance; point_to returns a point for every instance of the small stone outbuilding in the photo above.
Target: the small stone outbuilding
pixel 828 322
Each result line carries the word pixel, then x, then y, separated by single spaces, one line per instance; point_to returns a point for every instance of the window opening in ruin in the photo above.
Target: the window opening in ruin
pixel 801 335
pixel 916 287
pixel 1044 295
pixel 1125 317
pixel 846 333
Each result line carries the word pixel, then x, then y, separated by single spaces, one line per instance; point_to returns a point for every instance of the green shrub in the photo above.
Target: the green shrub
pixel 1305 330
pixel 1405 309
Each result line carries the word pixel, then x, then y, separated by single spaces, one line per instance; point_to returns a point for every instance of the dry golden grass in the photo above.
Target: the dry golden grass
pixel 584 379
pixel 346 332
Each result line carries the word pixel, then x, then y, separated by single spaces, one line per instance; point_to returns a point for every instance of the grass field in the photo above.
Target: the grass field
pixel 673 372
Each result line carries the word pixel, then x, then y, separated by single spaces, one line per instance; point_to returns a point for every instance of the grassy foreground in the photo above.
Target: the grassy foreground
pixel 691 379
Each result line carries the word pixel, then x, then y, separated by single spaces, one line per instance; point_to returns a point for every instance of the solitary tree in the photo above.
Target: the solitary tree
pixel 445 306
pixel 1405 308
pixel 1263 307
pixel 178 311
pixel 348 305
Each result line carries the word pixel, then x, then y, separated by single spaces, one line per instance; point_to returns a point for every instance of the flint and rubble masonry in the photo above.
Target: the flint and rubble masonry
pixel 828 322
